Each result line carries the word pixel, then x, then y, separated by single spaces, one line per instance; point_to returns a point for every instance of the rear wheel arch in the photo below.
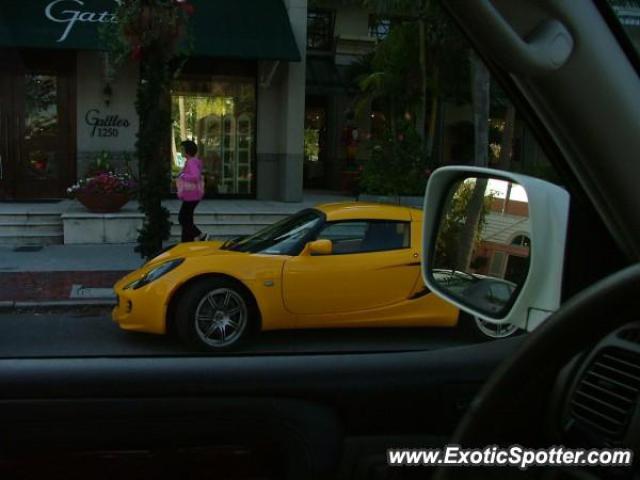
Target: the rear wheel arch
pixel 177 294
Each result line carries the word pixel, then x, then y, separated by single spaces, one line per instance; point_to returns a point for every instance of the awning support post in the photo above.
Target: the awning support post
pixel 265 80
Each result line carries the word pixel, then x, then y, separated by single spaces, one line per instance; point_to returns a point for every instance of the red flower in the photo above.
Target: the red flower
pixel 136 53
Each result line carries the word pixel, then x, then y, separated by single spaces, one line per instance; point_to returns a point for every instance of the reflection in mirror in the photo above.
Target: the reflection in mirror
pixel 483 244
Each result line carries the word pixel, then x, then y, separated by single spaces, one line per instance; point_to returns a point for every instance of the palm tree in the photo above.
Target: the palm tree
pixel 440 54
pixel 414 11
pixel 387 75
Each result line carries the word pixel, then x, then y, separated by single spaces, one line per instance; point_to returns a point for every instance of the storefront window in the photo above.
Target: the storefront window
pixel 315 132
pixel 219 115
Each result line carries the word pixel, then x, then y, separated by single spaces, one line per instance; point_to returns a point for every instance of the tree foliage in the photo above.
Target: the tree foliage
pixel 154 111
pixel 390 75
pixel 451 231
pixel 397 164
pixel 422 60
pixel 151 32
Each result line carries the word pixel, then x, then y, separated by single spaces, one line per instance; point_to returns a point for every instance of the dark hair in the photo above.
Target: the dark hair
pixel 190 147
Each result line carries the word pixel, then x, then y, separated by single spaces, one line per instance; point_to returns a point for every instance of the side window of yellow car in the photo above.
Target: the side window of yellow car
pixel 363 236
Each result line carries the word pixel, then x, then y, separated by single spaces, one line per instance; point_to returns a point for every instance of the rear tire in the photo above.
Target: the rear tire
pixel 215 315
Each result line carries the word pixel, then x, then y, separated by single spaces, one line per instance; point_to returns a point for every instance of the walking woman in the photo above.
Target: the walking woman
pixel 190 185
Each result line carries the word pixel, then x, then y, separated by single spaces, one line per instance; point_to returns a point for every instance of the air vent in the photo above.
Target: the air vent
pixel 631 335
pixel 606 396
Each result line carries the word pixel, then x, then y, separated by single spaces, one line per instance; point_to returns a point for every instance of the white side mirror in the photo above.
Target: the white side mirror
pixel 493 243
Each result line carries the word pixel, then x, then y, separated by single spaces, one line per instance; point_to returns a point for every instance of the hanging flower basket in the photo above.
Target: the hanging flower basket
pixel 156 24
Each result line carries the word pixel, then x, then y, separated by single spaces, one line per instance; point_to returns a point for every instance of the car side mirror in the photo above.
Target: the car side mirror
pixel 494 242
pixel 320 247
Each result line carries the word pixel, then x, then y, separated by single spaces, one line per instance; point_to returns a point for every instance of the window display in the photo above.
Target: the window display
pixel 219 115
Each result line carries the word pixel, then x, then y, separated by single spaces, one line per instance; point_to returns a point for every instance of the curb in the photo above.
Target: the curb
pixel 64 304
pixel 6 305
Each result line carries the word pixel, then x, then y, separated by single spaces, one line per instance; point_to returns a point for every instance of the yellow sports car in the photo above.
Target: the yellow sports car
pixel 336 265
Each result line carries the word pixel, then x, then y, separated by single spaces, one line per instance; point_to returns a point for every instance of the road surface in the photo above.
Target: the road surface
pixel 92 333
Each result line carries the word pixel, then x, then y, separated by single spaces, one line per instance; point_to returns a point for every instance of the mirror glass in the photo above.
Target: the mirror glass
pixel 483 244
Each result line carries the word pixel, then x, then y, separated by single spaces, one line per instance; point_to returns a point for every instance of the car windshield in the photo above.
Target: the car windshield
pixel 282 238
pixel 265 140
pixel 455 281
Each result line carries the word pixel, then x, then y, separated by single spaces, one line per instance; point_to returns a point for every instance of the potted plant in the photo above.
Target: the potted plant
pixel 106 192
pixel 144 24
pixel 103 163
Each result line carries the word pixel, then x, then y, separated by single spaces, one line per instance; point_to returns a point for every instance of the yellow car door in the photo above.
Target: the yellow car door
pixel 372 265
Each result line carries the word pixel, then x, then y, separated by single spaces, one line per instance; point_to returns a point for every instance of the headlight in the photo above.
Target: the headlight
pixel 155 273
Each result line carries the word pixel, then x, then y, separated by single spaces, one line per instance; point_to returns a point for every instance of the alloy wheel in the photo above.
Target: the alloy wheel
pixel 221 317
pixel 493 330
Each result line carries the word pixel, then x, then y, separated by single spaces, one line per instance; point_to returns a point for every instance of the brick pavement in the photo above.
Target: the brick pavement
pixel 51 286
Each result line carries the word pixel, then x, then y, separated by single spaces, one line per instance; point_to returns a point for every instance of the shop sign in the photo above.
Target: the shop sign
pixel 105 125
pixel 71 12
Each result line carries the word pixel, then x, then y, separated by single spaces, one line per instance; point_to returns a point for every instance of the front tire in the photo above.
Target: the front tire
pixel 215 315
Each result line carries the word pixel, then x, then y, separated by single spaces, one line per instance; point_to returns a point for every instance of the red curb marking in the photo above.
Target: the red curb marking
pixel 51 286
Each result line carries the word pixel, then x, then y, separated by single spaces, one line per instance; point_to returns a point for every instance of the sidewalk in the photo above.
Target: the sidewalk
pixel 84 274
pixel 66 275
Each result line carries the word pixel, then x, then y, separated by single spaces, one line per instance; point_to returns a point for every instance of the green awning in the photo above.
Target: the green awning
pixel 246 29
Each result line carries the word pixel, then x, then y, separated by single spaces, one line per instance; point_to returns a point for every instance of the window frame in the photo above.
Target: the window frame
pixel 368 220
pixel 330 33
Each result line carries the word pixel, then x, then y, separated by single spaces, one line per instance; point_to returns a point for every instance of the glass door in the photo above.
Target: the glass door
pixel 228 154
pixel 38 134
pixel 244 148
pixel 316 162
pixel 5 100
pixel 7 169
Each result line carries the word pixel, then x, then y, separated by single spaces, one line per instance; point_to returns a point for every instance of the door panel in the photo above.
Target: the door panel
pixel 38 122
pixel 39 134
pixel 348 283
pixel 6 140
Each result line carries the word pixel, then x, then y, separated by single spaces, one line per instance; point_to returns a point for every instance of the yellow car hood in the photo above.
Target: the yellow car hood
pixel 182 250
pixel 193 249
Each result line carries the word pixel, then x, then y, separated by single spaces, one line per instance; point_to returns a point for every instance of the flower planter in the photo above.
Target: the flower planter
pixel 103 202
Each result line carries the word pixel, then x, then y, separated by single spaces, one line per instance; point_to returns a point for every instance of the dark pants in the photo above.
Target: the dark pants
pixel 185 217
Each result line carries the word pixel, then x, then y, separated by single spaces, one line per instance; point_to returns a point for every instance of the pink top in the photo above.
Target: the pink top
pixel 192 173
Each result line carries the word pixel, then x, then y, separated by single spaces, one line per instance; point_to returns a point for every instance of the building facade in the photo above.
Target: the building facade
pixel 339 34
pixel 240 96
pixel 268 94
